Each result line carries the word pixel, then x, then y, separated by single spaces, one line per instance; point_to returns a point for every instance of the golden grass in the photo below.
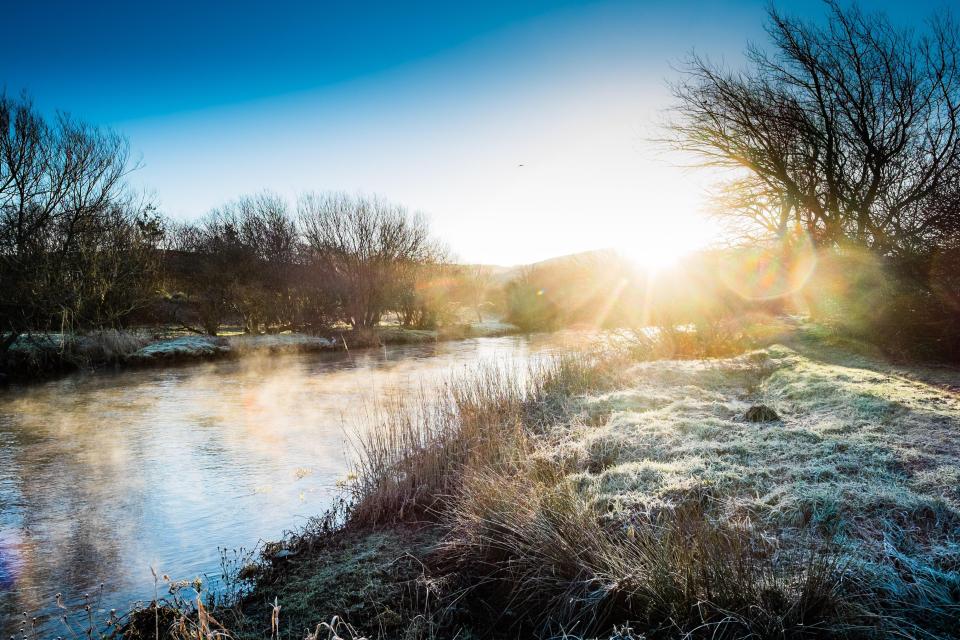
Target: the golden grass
pixel 415 461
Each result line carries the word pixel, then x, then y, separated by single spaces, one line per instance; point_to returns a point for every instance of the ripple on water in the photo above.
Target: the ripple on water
pixel 104 475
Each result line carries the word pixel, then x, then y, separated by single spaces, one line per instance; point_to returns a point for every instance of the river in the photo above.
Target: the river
pixel 104 475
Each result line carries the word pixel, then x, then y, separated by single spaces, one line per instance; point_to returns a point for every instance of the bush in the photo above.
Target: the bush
pixel 530 307
pixel 909 309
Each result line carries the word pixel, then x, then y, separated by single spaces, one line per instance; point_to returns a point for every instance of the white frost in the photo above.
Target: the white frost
pixel 184 346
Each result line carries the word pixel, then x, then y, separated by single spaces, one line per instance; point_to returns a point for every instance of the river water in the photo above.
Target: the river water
pixel 105 475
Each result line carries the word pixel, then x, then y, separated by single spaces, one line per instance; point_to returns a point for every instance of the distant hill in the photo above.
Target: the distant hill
pixel 503 274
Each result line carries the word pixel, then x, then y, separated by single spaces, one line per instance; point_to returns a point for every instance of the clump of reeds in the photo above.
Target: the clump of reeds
pixel 419 453
pixel 417 458
pixel 107 346
pixel 531 543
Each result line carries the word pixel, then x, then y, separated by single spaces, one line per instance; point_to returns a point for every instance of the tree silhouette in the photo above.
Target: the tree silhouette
pixel 849 131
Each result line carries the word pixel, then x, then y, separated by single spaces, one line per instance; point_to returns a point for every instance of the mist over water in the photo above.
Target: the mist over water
pixel 104 475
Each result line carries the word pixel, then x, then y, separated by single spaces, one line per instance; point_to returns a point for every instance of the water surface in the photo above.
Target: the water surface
pixel 103 475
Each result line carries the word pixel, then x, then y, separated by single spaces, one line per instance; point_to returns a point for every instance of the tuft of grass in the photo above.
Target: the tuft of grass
pixel 531 546
pixel 416 459
pixel 108 346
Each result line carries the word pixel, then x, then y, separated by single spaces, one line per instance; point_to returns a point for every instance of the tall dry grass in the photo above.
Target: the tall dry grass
pixel 107 346
pixel 533 544
pixel 415 462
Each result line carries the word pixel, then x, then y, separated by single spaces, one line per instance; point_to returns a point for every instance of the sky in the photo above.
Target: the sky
pixel 524 130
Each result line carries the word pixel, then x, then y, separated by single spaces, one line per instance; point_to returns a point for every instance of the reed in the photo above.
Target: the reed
pixel 414 462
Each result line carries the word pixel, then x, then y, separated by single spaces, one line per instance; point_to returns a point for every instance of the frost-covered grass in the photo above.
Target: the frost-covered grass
pixel 864 460
pixel 492 328
pixel 181 348
pixel 34 356
pixel 394 334
pixel 280 342
pixel 405 335
pixel 104 345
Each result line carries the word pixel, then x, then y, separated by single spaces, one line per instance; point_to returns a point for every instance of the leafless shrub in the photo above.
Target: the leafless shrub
pixel 77 247
pixel 367 246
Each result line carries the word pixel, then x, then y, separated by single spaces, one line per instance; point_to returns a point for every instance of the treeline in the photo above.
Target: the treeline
pixel 332 258
pixel 81 251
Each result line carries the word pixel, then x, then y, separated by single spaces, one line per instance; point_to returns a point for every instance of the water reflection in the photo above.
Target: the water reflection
pixel 104 475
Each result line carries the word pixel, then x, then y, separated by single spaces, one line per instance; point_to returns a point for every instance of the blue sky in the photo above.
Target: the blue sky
pixel 434 105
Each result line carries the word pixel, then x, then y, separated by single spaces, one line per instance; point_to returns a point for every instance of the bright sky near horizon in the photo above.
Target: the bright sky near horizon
pixel 522 129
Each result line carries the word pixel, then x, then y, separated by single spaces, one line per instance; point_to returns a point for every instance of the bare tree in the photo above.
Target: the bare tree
pixel 116 266
pixel 269 234
pixel 849 131
pixel 76 248
pixel 475 286
pixel 365 245
pixel 242 257
pixel 246 260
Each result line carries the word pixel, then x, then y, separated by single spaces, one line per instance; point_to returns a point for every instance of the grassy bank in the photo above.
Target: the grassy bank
pixel 599 496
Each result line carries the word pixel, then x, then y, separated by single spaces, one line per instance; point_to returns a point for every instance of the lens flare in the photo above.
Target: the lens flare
pixel 768 272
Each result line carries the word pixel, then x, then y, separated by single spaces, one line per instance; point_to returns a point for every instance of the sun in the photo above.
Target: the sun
pixel 655 250
pixel 653 258
pixel 666 231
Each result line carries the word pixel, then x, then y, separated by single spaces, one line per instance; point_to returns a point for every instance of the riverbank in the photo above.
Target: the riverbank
pixel 40 357
pixel 606 497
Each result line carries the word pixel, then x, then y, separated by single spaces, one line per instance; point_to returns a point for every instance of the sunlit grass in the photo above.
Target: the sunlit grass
pixel 648 497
